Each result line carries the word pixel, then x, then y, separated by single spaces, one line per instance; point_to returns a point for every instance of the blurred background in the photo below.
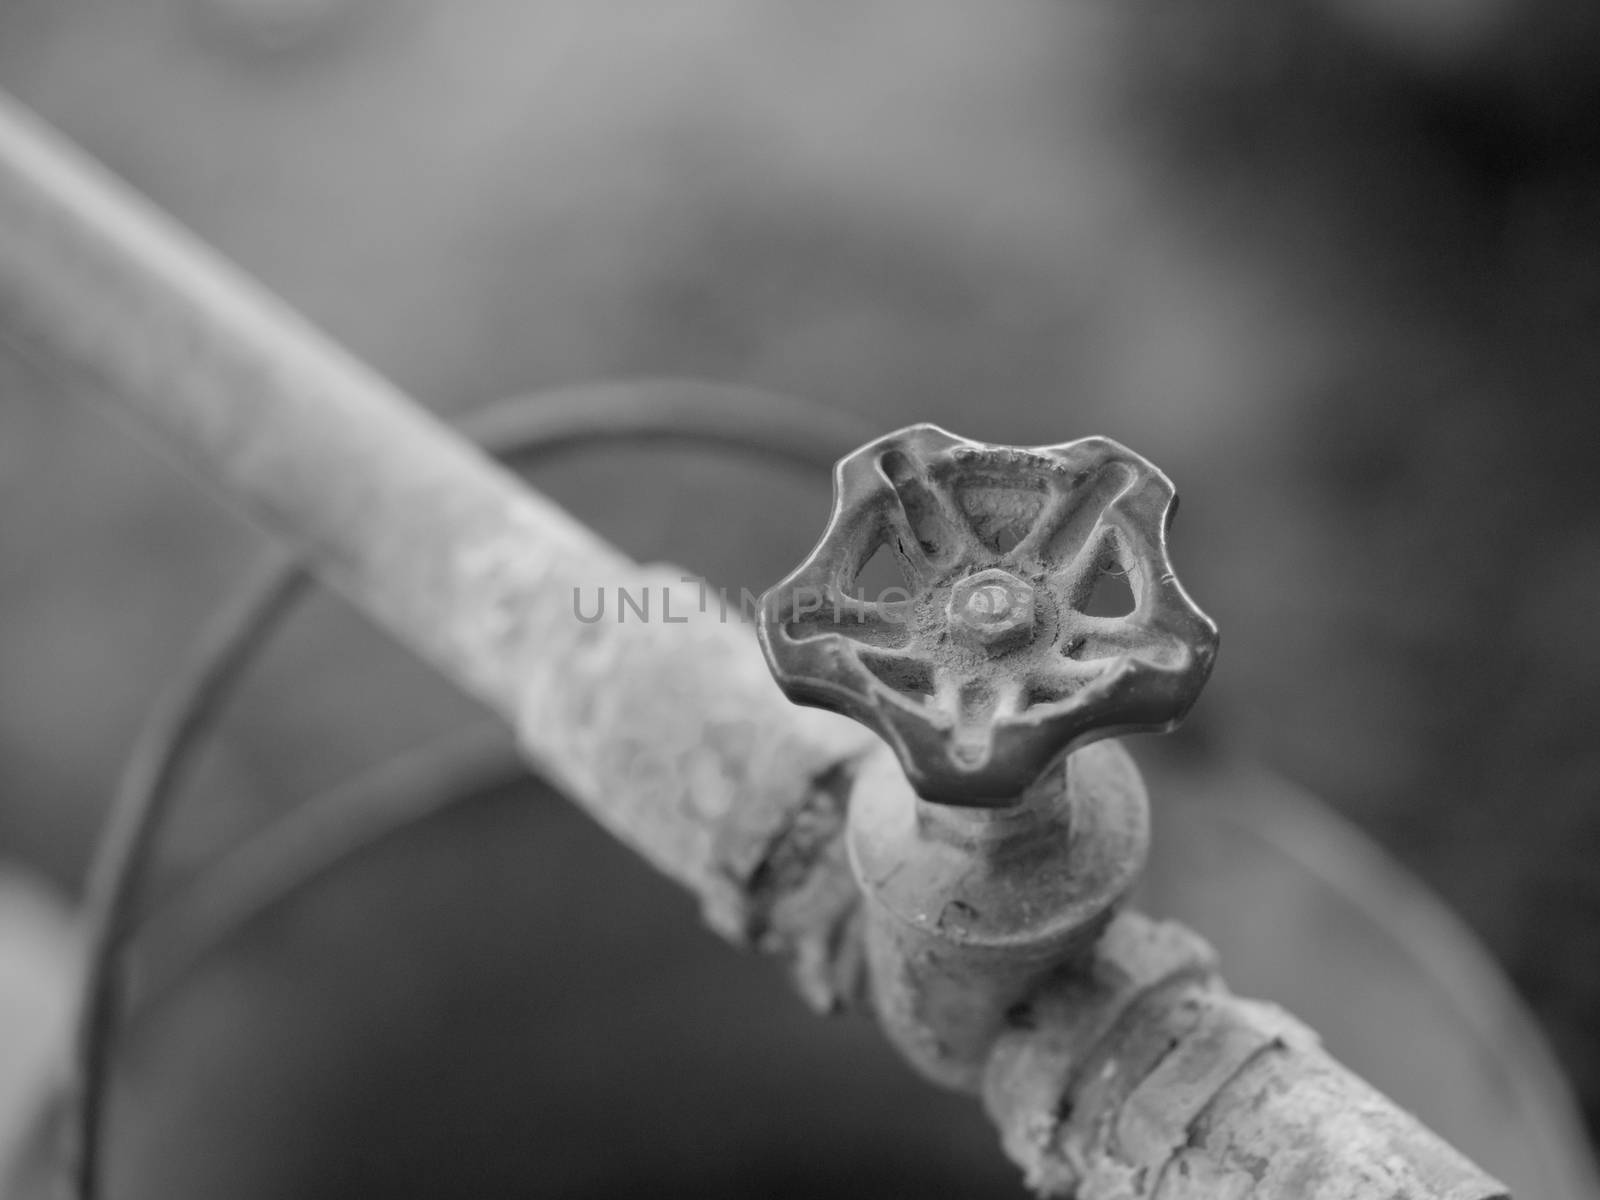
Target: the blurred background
pixel 1333 264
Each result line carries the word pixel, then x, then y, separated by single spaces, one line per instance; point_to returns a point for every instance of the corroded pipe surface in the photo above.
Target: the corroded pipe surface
pixel 669 731
pixel 1141 1077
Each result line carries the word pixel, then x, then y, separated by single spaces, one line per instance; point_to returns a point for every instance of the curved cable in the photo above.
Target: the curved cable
pixel 270 867
pixel 521 431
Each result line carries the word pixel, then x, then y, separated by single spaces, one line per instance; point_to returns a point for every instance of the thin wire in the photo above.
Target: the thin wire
pixel 183 715
pixel 252 878
pixel 269 868
pixel 521 431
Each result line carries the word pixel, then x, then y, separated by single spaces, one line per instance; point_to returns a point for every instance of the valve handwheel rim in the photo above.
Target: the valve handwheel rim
pixel 986 667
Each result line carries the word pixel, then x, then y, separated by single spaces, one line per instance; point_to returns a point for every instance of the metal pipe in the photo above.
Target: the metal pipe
pixel 669 731
pixel 517 432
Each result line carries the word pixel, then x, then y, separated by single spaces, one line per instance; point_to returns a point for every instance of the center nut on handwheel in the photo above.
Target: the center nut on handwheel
pixel 1009 830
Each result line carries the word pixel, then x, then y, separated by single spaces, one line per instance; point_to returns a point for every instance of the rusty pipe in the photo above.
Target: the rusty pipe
pixel 669 732
pixel 463 564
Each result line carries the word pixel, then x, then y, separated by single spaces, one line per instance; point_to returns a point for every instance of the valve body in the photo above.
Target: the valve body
pixel 968 910
pixel 990 856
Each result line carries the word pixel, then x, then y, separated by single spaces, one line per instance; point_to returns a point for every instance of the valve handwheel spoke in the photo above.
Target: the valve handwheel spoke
pixel 993 656
pixel 831 611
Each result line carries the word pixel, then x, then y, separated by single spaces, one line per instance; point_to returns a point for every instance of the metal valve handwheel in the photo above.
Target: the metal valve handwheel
pixel 990 662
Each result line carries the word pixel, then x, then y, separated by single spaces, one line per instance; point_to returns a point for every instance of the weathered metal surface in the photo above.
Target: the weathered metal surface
pixel 667 729
pixel 1111 1056
pixel 670 733
pixel 988 663
pixel 990 669
pixel 1139 1076
pixel 967 910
